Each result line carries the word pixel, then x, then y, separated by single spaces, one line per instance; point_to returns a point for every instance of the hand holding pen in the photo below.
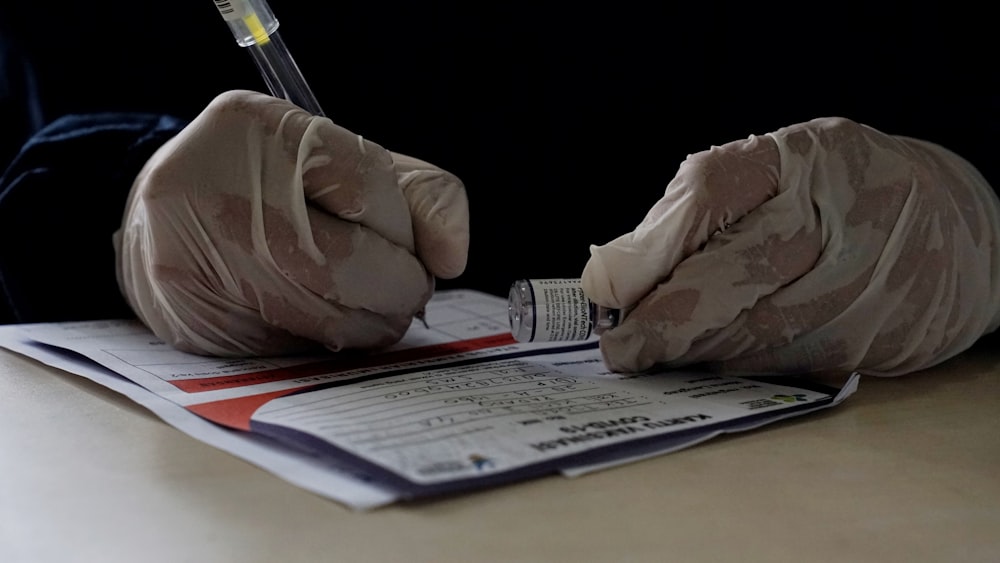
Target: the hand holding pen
pixel 262 229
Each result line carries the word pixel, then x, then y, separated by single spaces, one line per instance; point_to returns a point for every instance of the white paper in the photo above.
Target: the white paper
pixel 292 465
pixel 436 425
pixel 456 405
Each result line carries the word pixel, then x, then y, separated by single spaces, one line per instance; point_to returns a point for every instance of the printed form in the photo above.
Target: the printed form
pixel 458 405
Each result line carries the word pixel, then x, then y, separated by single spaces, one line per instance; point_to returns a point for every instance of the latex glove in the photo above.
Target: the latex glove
pixel 263 230
pixel 825 245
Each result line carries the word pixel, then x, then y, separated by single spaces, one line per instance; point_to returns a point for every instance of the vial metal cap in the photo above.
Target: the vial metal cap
pixel 521 311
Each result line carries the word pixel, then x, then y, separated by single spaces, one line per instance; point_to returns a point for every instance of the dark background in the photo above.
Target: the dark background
pixel 564 121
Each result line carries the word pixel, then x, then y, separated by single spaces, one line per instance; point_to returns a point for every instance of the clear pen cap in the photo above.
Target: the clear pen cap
pixel 251 21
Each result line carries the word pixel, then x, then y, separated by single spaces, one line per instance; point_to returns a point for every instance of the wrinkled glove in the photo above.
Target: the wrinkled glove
pixel 263 230
pixel 826 245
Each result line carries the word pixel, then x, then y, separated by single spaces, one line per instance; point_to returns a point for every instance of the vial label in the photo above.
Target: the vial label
pixel 231 9
pixel 546 310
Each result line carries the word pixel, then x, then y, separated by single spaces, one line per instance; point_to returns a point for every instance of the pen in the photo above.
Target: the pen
pixel 254 26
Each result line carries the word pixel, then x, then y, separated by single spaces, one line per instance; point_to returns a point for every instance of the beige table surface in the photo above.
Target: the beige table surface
pixel 907 469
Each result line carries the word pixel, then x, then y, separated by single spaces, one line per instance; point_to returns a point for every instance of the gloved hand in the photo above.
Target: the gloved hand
pixel 263 230
pixel 826 245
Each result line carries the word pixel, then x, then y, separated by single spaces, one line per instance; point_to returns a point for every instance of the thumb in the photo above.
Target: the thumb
pixel 712 190
pixel 439 210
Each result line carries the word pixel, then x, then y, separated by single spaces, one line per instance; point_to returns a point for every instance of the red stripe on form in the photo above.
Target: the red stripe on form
pixel 343 363
pixel 235 413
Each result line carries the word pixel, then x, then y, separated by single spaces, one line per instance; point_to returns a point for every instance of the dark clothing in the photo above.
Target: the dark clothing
pixel 60 200
pixel 565 125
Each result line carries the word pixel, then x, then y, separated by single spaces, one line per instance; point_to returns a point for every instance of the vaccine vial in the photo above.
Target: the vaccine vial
pixel 555 309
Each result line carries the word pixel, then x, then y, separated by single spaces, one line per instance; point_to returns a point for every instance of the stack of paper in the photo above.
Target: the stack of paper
pixel 459 405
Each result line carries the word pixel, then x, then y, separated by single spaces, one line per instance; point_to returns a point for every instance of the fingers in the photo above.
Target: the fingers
pixel 275 317
pixel 354 179
pixel 711 190
pixel 711 291
pixel 239 302
pixel 360 268
pixel 439 210
pixel 335 169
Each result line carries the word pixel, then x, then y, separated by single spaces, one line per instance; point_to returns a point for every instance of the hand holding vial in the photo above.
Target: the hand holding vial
pixel 823 245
